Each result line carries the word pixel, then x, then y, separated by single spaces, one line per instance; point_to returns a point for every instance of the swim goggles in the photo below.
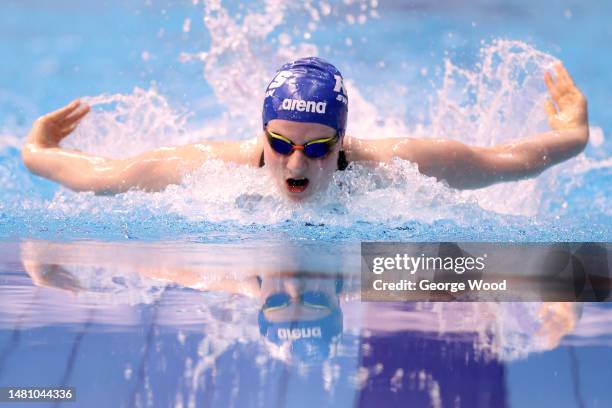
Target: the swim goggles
pixel 315 149
pixel 311 299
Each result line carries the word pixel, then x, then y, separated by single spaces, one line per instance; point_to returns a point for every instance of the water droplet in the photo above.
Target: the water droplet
pixel 187 25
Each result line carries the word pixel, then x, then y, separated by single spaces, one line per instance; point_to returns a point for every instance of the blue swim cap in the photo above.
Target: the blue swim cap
pixel 310 341
pixel 307 90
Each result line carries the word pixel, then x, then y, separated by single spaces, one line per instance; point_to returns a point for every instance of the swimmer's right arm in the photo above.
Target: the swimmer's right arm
pixel 150 171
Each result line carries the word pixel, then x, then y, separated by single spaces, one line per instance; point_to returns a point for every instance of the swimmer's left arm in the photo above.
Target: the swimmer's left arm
pixel 466 167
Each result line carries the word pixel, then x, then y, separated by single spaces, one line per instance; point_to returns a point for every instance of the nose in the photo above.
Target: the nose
pixel 297 163
pixel 294 287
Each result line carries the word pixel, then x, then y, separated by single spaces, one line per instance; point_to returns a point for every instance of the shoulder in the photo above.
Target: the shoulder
pixel 424 151
pixel 354 148
pixel 372 150
pixel 250 150
pixel 242 152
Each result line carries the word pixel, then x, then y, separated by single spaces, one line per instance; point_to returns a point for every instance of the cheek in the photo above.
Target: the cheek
pixel 275 164
pixel 321 173
pixel 272 160
pixel 327 167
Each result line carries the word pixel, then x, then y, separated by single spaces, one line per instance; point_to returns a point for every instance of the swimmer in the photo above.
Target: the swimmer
pixel 303 142
pixel 299 314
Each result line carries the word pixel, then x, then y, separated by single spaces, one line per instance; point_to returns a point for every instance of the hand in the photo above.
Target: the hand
pixel 34 258
pixel 558 319
pixel 50 129
pixel 53 276
pixel 569 110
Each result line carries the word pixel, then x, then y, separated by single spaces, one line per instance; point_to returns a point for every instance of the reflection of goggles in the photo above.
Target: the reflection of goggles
pixel 315 149
pixel 311 299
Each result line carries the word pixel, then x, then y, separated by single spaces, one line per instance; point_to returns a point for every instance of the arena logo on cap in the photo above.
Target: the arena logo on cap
pixel 339 87
pixel 303 333
pixel 301 105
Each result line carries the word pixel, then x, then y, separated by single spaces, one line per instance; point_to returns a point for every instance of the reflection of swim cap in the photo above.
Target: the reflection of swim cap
pixel 307 90
pixel 308 340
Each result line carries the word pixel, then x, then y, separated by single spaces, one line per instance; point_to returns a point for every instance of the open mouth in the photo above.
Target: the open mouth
pixel 297 185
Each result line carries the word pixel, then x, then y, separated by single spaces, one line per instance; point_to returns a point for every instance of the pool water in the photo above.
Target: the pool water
pixel 170 73
pixel 152 299
pixel 111 320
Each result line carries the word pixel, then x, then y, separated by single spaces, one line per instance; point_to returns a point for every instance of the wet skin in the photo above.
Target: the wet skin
pixel 297 165
pixel 459 165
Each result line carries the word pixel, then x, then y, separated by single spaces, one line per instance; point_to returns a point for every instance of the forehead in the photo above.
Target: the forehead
pixel 297 131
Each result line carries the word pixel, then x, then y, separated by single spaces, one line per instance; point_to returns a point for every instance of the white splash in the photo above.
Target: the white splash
pixel 496 100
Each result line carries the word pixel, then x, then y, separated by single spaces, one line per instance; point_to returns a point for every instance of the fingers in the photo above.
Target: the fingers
pixel 69 122
pixel 564 81
pixel 77 115
pixel 566 77
pixel 561 77
pixel 67 118
pixel 571 87
pixel 69 129
pixel 66 110
pixel 552 87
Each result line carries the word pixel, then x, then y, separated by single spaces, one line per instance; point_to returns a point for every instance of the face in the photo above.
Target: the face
pixel 296 175
pixel 295 287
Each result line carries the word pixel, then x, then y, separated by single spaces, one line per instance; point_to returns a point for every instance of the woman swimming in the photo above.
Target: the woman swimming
pixel 303 142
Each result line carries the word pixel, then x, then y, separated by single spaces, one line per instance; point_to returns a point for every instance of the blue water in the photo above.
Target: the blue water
pixel 154 72
pixel 98 320
pixel 66 51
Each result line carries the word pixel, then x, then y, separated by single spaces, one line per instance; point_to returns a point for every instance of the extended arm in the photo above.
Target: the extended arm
pixel 151 171
pixel 53 264
pixel 465 166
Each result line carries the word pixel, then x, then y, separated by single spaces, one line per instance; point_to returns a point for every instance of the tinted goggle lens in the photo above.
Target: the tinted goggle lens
pixel 314 149
pixel 317 149
pixel 277 301
pixel 312 299
pixel 280 146
pixel 318 300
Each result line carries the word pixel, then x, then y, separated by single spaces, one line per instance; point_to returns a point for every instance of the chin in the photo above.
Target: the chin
pixel 298 197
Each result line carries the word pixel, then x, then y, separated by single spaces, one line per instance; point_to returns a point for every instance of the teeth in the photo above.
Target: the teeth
pixel 297 182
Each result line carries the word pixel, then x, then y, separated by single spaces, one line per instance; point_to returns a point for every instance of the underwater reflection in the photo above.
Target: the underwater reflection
pixel 287 331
